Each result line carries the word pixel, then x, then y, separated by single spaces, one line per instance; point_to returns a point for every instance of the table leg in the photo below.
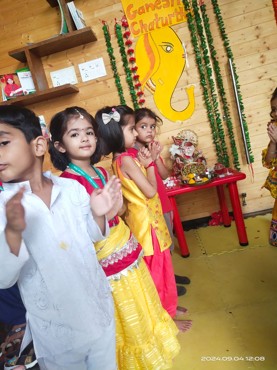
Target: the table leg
pixel 238 216
pixel 179 229
pixel 223 206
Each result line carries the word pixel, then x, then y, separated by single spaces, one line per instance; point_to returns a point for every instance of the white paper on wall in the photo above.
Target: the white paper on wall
pixel 92 69
pixel 64 76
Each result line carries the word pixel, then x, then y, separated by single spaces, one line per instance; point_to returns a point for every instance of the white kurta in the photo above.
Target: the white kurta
pixel 63 287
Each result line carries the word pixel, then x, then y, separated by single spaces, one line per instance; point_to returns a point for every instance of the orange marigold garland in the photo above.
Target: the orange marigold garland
pixel 132 60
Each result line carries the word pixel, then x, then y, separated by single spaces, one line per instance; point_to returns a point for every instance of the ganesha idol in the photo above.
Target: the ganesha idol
pixel 188 162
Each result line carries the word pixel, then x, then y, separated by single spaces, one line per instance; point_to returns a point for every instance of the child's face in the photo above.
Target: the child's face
pixel 146 129
pixel 17 157
pixel 79 140
pixel 273 113
pixel 130 132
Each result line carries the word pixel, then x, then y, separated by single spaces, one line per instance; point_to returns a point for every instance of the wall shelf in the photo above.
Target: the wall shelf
pixel 37 97
pixel 32 54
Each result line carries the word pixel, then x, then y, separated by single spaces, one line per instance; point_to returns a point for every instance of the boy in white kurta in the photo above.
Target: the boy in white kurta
pixel 47 227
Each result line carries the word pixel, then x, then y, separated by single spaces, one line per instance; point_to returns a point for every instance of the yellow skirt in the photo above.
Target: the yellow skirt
pixel 145 333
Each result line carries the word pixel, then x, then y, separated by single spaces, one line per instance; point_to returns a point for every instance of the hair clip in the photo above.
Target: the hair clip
pixel 106 118
pixel 81 116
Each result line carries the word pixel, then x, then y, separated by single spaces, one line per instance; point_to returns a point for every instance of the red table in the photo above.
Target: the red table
pixel 219 183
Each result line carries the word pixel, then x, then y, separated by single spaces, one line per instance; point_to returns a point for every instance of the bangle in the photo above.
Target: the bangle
pixel 151 164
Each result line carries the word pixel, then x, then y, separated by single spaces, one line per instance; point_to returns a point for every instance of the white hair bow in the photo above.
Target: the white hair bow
pixel 106 118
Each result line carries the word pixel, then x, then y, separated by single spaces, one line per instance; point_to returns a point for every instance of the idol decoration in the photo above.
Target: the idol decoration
pixel 189 163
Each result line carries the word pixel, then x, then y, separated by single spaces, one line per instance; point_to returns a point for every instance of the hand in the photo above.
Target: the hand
pixel 15 213
pixel 155 149
pixel 272 132
pixel 144 156
pixel 103 200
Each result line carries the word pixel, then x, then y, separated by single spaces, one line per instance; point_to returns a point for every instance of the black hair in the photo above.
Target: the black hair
pixel 112 133
pixel 57 129
pixel 274 95
pixel 140 113
pixel 21 118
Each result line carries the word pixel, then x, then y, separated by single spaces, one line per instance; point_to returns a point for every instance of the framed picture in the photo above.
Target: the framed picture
pixel 11 87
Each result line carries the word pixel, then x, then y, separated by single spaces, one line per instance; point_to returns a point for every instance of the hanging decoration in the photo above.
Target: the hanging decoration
pixel 244 127
pixel 203 82
pixel 128 73
pixel 211 83
pixel 132 60
pixel 113 62
pixel 274 3
pixel 220 86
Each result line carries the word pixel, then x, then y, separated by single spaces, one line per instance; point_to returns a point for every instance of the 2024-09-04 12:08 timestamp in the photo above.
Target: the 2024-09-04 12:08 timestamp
pixel 232 358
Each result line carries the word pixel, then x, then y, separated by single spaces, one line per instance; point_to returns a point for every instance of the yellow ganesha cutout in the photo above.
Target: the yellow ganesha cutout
pixel 161 62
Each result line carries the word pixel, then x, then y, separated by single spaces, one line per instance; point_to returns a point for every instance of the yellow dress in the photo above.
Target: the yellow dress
pixel 145 333
pixel 146 221
pixel 143 214
pixel 271 185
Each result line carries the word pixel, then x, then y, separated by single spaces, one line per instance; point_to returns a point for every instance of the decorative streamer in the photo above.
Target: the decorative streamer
pixel 132 60
pixel 274 3
pixel 203 83
pixel 247 144
pixel 211 84
pixel 220 86
pixel 129 78
pixel 113 62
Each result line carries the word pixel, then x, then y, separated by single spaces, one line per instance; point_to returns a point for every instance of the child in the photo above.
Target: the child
pixel 144 215
pixel 269 160
pixel 145 333
pixel 146 125
pixel 47 227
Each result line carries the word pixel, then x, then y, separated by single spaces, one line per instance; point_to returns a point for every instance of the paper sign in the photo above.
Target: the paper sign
pixel 64 76
pixel 92 69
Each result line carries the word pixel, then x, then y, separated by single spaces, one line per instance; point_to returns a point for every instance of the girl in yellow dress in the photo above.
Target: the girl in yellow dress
pixel 145 333
pixel 144 216
pixel 269 160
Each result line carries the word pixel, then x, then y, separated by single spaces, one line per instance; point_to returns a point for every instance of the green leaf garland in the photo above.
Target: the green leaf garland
pixel 113 62
pixel 203 81
pixel 129 78
pixel 220 86
pixel 211 84
pixel 229 53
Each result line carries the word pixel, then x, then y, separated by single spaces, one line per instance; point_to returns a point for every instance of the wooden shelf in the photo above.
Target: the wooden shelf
pixel 37 97
pixel 32 54
pixel 55 44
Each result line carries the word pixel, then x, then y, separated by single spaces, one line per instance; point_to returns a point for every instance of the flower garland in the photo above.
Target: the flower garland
pixel 129 78
pixel 220 86
pixel 217 12
pixel 113 62
pixel 211 84
pixel 203 83
pixel 274 3
pixel 132 60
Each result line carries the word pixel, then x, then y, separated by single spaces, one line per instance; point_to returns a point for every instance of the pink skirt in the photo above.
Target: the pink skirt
pixel 161 269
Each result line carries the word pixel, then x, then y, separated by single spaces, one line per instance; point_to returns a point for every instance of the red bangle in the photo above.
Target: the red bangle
pixel 151 164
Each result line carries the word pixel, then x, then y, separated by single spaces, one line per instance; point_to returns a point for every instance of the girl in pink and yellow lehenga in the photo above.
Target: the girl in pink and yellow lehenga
pixel 145 333
pixel 269 160
pixel 144 216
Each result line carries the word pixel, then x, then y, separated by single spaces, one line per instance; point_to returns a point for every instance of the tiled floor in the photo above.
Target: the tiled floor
pixel 232 299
